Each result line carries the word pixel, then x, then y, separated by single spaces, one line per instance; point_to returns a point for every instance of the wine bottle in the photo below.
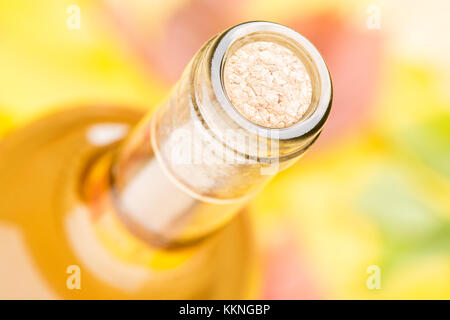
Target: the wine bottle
pixel 104 202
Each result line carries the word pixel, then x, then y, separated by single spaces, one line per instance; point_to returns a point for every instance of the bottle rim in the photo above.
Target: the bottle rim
pixel 321 108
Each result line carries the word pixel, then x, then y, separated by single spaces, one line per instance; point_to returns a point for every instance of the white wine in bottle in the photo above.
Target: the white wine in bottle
pixel 108 203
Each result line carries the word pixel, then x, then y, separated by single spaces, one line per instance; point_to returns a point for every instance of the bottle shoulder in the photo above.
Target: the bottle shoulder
pixel 53 236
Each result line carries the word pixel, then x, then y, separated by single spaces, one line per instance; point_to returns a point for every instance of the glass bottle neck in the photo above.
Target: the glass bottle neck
pixel 187 169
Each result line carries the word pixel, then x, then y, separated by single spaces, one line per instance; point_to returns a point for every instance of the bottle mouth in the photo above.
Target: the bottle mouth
pixel 314 115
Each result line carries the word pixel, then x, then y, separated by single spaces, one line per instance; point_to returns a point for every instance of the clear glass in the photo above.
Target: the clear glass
pixel 214 158
pixel 135 215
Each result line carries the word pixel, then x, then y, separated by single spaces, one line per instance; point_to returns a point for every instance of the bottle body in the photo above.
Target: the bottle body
pixel 55 225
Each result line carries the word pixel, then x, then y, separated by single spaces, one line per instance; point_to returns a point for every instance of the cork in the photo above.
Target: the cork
pixel 268 84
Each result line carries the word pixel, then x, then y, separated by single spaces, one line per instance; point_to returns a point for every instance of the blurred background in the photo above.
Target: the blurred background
pixel 373 191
